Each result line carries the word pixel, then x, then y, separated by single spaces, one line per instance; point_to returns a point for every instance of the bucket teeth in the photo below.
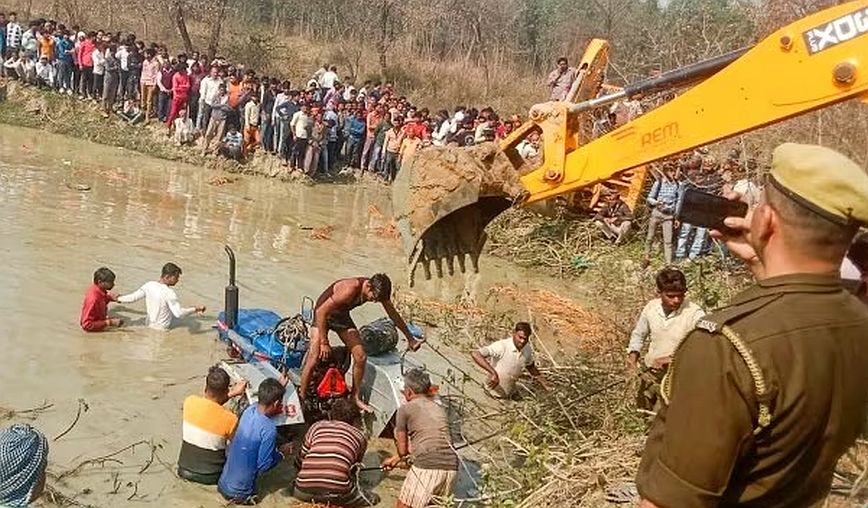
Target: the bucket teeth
pixel 426 265
pixel 445 246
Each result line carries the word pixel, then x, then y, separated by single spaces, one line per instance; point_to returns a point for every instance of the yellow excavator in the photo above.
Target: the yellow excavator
pixel 444 197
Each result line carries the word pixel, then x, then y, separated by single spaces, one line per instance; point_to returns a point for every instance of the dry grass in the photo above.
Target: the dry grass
pixel 590 331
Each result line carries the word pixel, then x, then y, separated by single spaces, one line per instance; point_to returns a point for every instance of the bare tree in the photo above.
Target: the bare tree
pixel 178 8
pixel 219 14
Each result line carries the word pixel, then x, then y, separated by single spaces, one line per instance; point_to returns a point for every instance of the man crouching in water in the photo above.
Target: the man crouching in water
pixel 332 312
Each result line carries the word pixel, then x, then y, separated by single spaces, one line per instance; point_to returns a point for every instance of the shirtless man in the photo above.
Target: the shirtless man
pixel 332 312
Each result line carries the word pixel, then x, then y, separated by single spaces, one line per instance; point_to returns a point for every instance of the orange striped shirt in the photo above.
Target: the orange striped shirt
pixel 207 428
pixel 330 450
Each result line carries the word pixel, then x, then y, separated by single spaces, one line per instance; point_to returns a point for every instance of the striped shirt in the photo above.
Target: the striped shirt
pixel 330 450
pixel 13 35
pixel 207 428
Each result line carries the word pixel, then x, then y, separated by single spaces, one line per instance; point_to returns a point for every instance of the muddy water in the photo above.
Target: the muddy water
pixel 138 214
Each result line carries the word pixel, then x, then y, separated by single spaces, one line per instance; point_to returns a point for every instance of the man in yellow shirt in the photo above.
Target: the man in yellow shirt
pixel 207 429
pixel 392 148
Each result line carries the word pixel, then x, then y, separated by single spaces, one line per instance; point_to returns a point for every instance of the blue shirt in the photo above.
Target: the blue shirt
pixel 251 452
pixel 356 127
pixel 61 46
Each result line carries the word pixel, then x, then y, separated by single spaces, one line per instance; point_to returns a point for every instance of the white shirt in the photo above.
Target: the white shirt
pixel 208 89
pixel 161 302
pixel 440 135
pixel 328 79
pixel 123 54
pixel 300 125
pixel 666 331
pixel 279 99
pixel 45 71
pixel 750 192
pixel 29 42
pixel 98 62
pixel 527 150
pixel 13 34
pixel 508 362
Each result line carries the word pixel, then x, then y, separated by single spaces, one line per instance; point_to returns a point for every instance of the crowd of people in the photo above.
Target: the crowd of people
pixel 318 127
pixel 329 123
pixel 796 327
pixel 681 241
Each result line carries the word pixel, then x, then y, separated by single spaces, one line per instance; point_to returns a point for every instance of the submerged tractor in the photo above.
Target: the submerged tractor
pixel 262 345
pixel 444 197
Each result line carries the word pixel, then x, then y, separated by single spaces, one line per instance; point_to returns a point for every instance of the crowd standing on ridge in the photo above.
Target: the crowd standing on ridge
pixel 319 127
pixel 327 124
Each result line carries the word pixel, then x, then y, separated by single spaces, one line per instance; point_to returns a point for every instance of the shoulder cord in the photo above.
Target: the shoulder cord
pixel 764 417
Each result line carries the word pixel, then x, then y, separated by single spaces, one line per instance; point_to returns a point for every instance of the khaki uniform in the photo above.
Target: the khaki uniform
pixel 711 447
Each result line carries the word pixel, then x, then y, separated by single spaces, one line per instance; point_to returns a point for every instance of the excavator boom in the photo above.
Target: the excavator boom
pixel 445 197
pixel 815 62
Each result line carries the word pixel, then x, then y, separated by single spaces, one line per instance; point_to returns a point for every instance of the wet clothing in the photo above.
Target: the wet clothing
pixel 713 445
pixel 161 302
pixel 340 319
pixel 427 427
pixel 206 431
pixel 252 452
pixel 94 310
pixel 509 362
pixel 328 454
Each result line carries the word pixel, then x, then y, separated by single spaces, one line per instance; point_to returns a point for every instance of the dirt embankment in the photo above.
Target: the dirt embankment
pixel 28 106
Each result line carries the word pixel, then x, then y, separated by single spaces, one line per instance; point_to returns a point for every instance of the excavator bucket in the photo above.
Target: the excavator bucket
pixel 444 197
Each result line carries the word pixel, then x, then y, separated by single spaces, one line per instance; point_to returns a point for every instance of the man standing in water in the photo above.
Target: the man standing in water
pixel 94 310
pixel 332 312
pixel 161 301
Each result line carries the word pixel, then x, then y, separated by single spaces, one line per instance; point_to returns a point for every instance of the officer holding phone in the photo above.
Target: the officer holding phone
pixel 767 393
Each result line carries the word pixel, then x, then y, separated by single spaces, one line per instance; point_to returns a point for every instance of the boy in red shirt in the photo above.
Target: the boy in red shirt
pixel 180 93
pixel 94 311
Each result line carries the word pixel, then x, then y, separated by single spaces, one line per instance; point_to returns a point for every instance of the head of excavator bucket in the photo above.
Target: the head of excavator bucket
pixel 443 198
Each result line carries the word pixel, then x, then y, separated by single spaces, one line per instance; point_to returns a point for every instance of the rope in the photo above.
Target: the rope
pixel 764 416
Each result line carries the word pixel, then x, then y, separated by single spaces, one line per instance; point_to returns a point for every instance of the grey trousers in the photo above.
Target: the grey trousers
pixel 664 220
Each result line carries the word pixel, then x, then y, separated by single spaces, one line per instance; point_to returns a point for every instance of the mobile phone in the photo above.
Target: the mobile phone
pixel 707 210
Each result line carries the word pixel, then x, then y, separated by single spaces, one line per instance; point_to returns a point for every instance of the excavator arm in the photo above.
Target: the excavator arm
pixel 815 62
pixel 445 197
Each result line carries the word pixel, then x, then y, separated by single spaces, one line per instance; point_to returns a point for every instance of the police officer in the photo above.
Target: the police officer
pixel 767 393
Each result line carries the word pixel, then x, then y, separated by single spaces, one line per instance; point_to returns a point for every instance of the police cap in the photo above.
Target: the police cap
pixel 823 180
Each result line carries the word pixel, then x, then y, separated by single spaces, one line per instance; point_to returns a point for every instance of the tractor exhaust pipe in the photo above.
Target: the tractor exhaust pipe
pixel 230 298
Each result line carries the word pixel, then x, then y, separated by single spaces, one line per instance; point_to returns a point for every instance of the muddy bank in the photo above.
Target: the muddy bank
pixel 27 106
